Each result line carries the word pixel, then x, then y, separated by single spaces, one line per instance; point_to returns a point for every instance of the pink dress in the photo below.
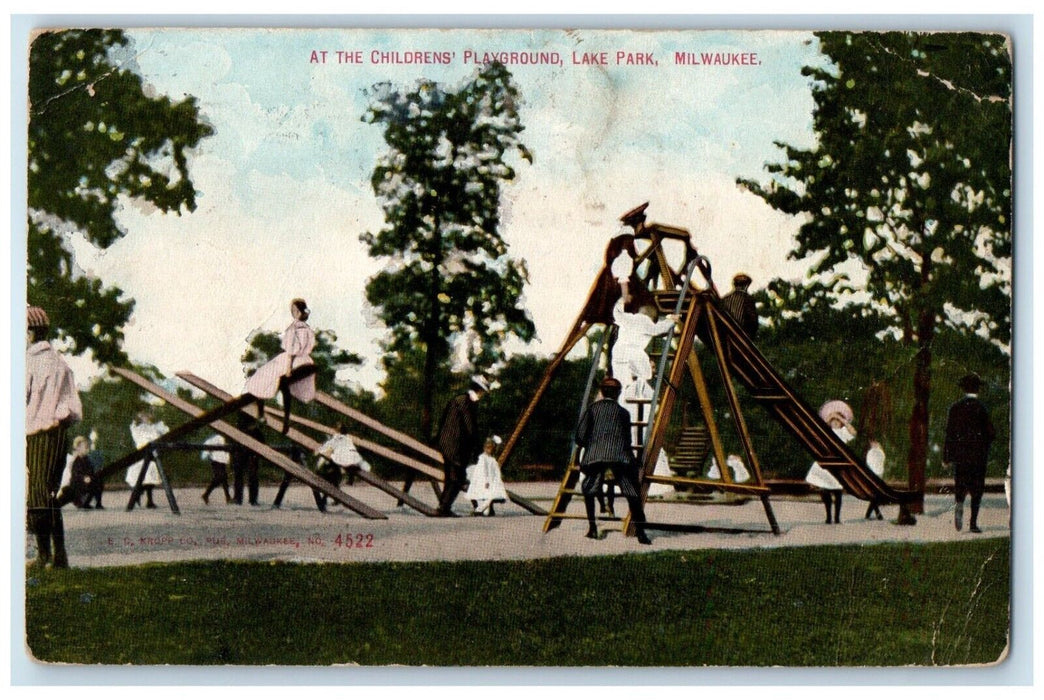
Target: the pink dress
pixel 298 342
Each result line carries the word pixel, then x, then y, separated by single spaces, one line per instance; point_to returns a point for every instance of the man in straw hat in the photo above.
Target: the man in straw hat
pixel 51 405
pixel 458 440
pixel 969 433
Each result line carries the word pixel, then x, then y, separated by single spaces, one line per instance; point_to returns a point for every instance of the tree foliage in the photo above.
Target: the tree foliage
pixel 449 276
pixel 910 177
pixel 96 138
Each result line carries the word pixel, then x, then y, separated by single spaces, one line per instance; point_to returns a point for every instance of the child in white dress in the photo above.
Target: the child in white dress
pixel 839 417
pixel 486 486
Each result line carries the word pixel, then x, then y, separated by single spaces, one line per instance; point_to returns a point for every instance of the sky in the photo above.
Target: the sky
pixel 284 192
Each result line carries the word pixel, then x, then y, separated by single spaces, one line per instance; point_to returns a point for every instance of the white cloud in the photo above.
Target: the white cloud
pixel 284 189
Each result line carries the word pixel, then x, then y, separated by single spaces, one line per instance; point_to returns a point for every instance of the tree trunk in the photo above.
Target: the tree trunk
pixel 917 458
pixel 427 394
pixel 430 335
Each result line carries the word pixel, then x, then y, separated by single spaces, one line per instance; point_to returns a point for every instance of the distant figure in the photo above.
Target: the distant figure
pixel 458 441
pixel 245 462
pixel 144 430
pixel 737 470
pixel 875 460
pixel 97 464
pixel 77 487
pixel 52 404
pixel 219 459
pixel 838 415
pixel 604 433
pixel 875 421
pixel 969 433
pixel 740 305
pixel 485 485
pixel 290 373
pixel 338 456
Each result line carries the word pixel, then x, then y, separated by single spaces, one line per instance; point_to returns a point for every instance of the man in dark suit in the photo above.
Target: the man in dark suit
pixel 458 441
pixel 969 433
pixel 604 433
pixel 740 305
pixel 245 462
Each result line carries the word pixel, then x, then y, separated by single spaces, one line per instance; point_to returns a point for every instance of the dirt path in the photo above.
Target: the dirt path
pixel 298 532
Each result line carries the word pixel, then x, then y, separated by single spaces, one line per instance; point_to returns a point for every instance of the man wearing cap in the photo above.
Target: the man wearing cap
pixel 740 305
pixel 604 433
pixel 969 432
pixel 458 441
pixel 51 405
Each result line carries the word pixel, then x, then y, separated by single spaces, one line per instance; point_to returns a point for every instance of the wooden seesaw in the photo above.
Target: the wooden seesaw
pixel 212 418
pixel 313 445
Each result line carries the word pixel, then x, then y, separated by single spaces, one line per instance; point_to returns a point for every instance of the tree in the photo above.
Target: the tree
pixel 449 278
pixel 911 177
pixel 95 138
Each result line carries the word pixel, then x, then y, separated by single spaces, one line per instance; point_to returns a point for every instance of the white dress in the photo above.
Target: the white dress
pixel 821 478
pixel 486 485
pixel 298 343
pixel 219 456
pixel 875 459
pixel 736 466
pixel 635 331
pixel 340 450
pixel 142 434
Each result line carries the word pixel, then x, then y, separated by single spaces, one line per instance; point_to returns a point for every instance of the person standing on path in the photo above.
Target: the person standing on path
pixel 604 434
pixel 144 429
pixel 218 459
pixel 485 484
pixel 458 441
pixel 245 462
pixel 969 432
pixel 839 416
pixel 97 464
pixel 52 404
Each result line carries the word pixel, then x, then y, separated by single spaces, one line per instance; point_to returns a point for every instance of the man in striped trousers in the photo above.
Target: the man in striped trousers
pixel 51 405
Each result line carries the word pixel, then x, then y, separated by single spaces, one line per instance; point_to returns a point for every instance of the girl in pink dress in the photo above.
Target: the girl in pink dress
pixel 291 372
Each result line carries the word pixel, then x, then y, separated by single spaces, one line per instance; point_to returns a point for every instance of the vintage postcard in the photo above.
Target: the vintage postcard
pixel 500 348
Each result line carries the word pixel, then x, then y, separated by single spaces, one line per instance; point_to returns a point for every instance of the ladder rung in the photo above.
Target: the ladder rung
pixel 579 516
pixel 765 396
pixel 636 401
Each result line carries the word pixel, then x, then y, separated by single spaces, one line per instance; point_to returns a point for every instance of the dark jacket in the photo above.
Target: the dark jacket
pixel 458 432
pixel 604 431
pixel 740 305
pixel 969 433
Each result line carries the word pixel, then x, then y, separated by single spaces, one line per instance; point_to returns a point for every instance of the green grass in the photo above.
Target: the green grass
pixel 880 605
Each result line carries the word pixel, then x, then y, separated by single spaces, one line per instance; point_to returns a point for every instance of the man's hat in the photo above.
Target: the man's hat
pixel 635 216
pixel 37 318
pixel 970 383
pixel 479 382
pixel 741 280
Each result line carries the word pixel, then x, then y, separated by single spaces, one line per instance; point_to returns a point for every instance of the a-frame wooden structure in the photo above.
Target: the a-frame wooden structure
pixel 213 419
pixel 427 464
pixel 665 278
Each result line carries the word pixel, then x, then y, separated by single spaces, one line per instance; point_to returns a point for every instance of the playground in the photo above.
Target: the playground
pixel 652 270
